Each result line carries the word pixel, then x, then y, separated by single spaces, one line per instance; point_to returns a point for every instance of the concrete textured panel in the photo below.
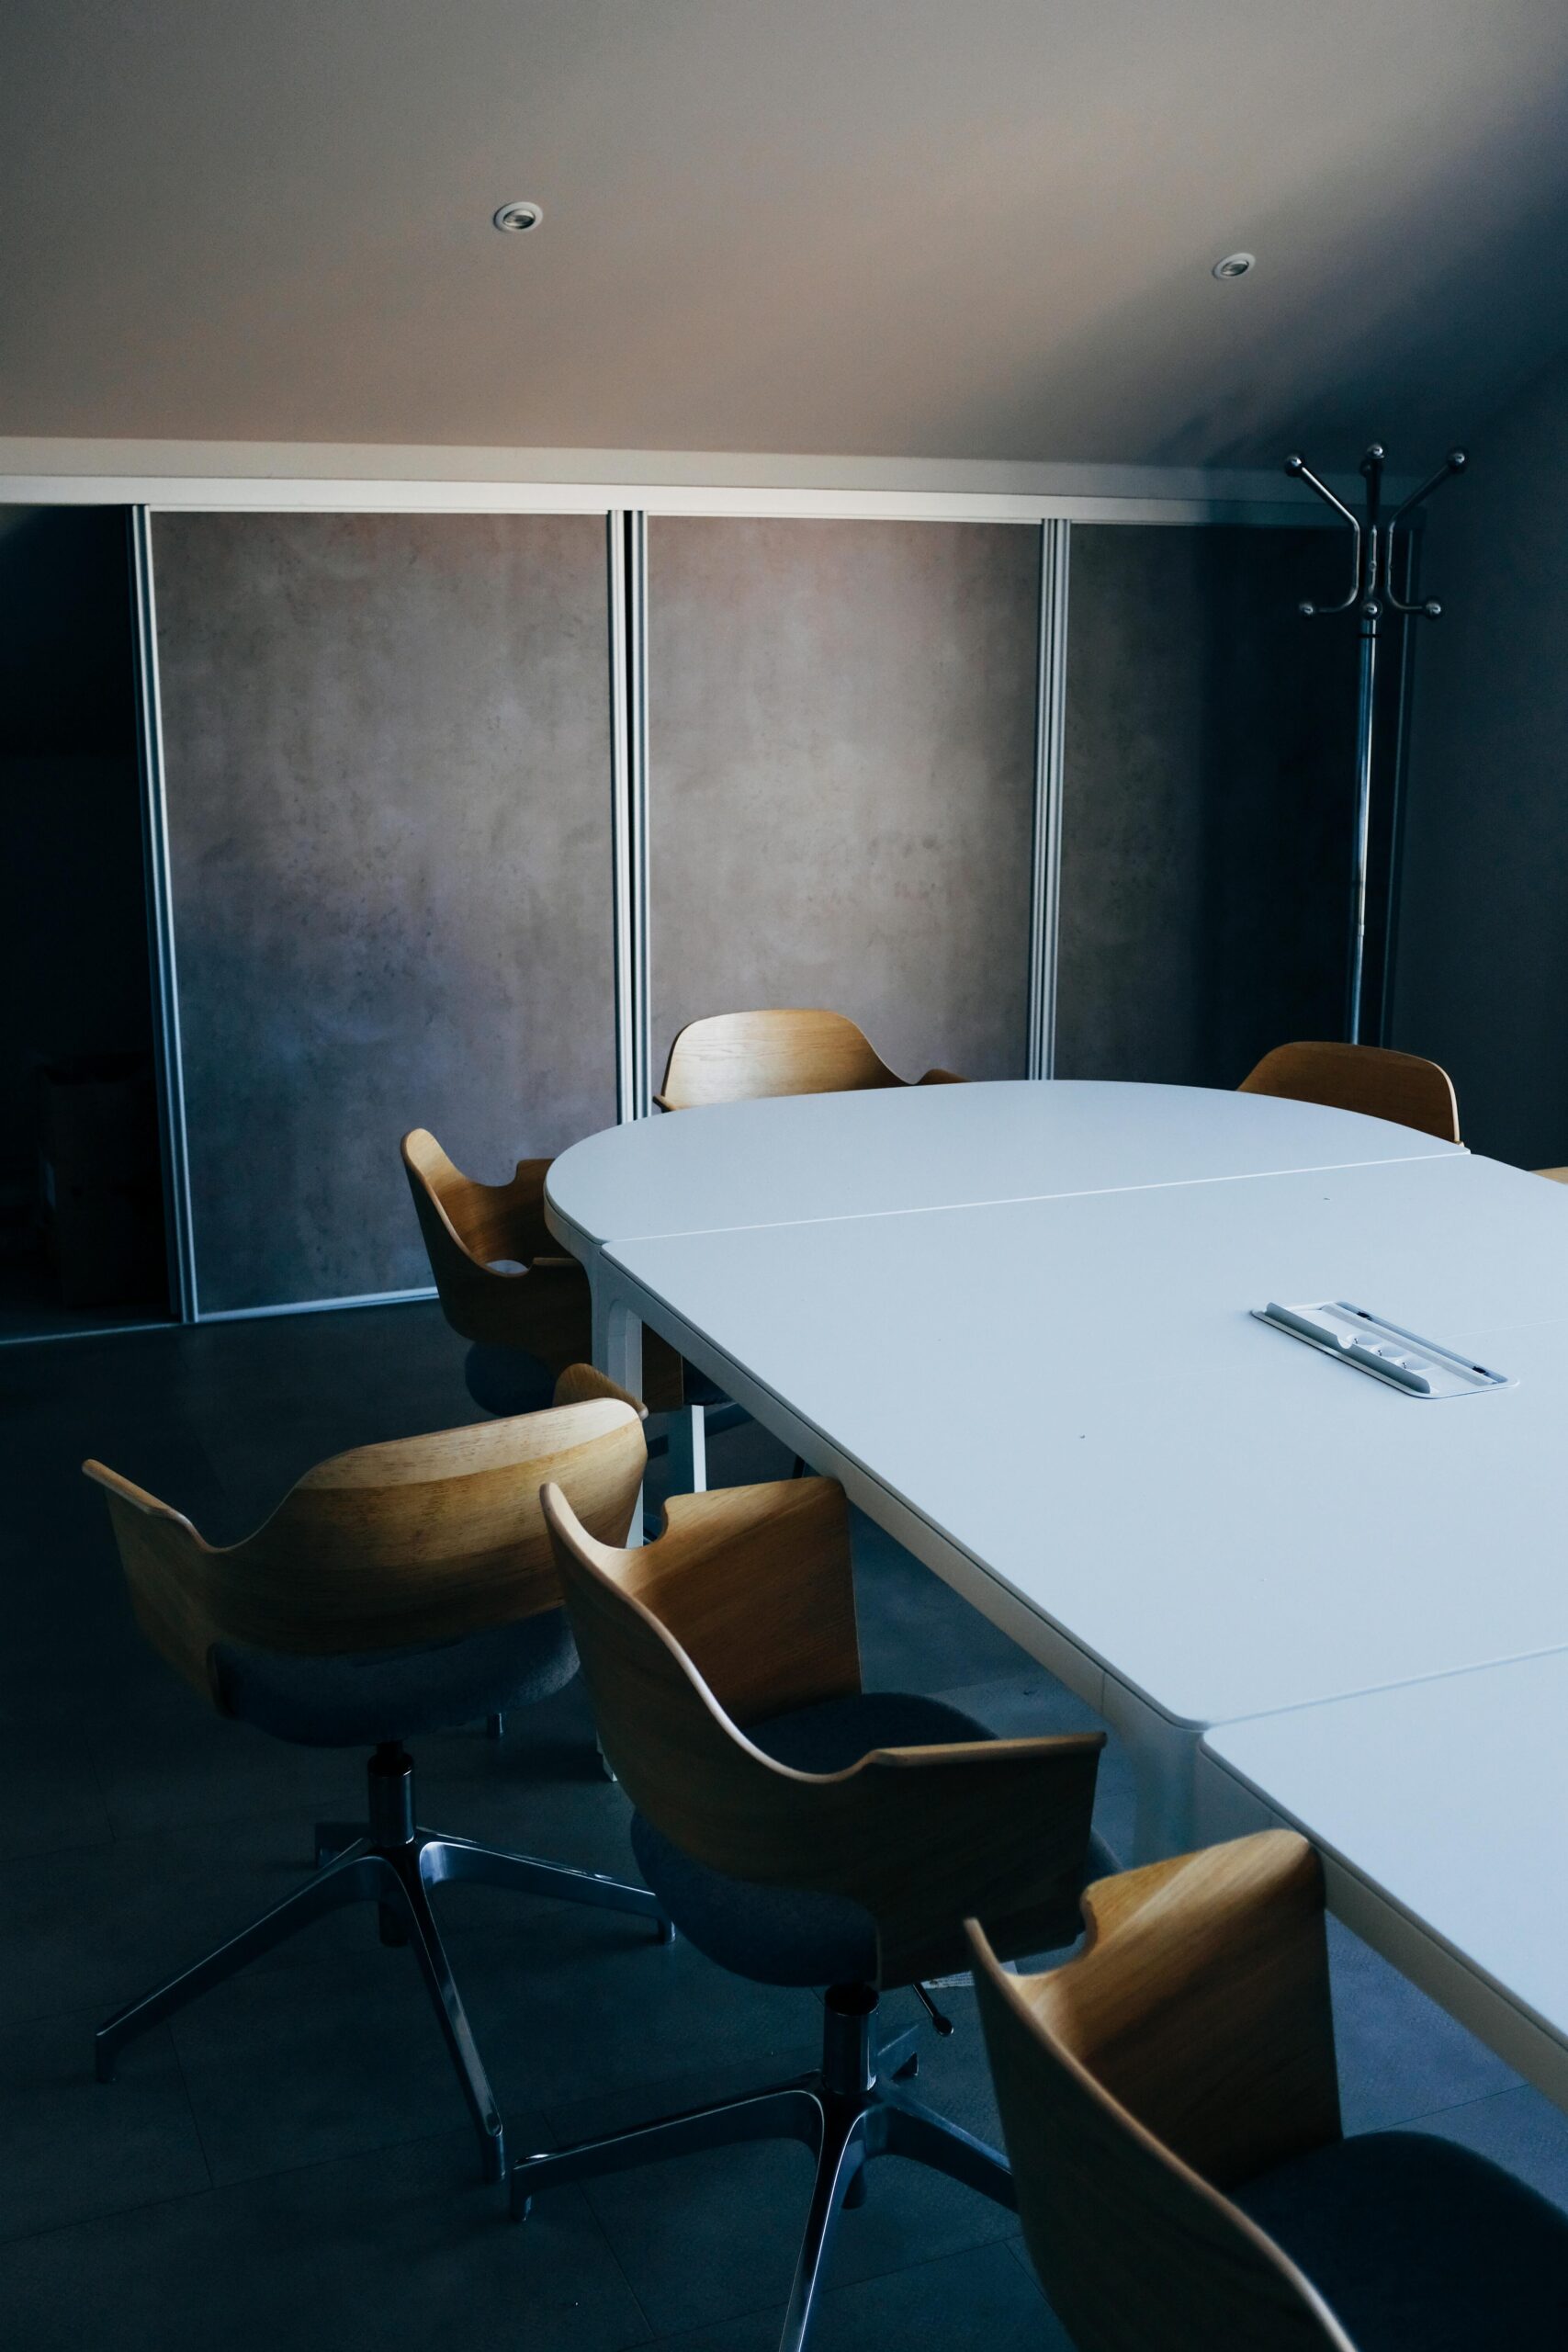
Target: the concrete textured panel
pixel 842 733
pixel 388 755
pixel 1207 802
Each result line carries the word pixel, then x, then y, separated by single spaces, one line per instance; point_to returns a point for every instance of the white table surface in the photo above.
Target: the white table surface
pixel 940 1147
pixel 1061 1402
pixel 1075 1393
pixel 1439 1810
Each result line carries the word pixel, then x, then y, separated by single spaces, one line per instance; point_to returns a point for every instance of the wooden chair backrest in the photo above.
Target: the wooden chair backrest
pixel 1384 1085
pixel 736 1056
pixel 544 1307
pixel 469 1225
pixel 744 1608
pixel 1189 2046
pixel 421 1539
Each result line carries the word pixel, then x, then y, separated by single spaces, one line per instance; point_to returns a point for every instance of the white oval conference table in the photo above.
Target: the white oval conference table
pixel 1015 1320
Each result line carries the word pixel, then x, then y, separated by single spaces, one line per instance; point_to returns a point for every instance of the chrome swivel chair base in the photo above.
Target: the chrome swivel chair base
pixel 850 2110
pixel 389 1862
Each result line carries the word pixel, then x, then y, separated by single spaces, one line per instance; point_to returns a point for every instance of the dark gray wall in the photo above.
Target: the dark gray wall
pixel 1207 801
pixel 66 685
pixel 388 760
pixel 1481 973
pixel 387 763
pixel 74 976
pixel 841 762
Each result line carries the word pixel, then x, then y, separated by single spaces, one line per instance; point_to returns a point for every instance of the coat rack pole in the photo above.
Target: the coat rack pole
pixel 1361 853
pixel 1372 562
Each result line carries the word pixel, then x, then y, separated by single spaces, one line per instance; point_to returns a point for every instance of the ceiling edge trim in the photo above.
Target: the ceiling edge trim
pixel 317 475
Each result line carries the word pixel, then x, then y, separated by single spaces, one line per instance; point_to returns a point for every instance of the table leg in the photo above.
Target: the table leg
pixel 617 1351
pixel 1164 1759
pixel 688 1450
pixel 618 1334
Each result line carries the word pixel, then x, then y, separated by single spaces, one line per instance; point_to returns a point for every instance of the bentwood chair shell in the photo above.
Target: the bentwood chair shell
pixel 1170 2103
pixel 1404 1087
pixel 800 1830
pixel 739 1057
pixel 398 1589
pixel 506 1285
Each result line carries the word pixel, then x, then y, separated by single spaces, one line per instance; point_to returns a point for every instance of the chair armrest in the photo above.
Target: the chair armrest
pixel 926 1837
pixel 169 1574
pixel 758 1588
pixel 124 1491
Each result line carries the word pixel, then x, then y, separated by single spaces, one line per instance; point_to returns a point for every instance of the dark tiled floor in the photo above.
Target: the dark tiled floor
pixel 31 1307
pixel 287 2163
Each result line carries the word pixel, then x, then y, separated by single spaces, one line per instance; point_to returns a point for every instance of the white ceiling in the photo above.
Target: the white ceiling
pixel 923 228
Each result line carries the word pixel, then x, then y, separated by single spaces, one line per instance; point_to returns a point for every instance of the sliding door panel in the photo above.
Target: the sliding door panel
pixel 387 743
pixel 1207 801
pixel 841 761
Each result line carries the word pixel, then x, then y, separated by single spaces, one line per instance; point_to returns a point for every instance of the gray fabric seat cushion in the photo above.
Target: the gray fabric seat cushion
pixel 506 1381
pixel 360 1699
pixel 779 1935
pixel 1420 2246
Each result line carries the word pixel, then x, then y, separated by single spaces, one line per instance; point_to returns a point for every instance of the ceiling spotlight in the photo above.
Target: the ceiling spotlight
pixel 1233 266
pixel 515 217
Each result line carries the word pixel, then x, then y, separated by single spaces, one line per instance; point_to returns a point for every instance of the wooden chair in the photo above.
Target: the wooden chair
pixel 398 1589
pixel 1384 1085
pixel 1170 2104
pixel 802 1831
pixel 506 1284
pixel 738 1056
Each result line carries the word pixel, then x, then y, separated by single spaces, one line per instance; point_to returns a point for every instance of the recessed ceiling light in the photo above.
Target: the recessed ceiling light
pixel 515 217
pixel 1233 266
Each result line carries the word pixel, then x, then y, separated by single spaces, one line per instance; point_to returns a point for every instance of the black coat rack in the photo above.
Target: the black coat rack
pixel 1372 594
